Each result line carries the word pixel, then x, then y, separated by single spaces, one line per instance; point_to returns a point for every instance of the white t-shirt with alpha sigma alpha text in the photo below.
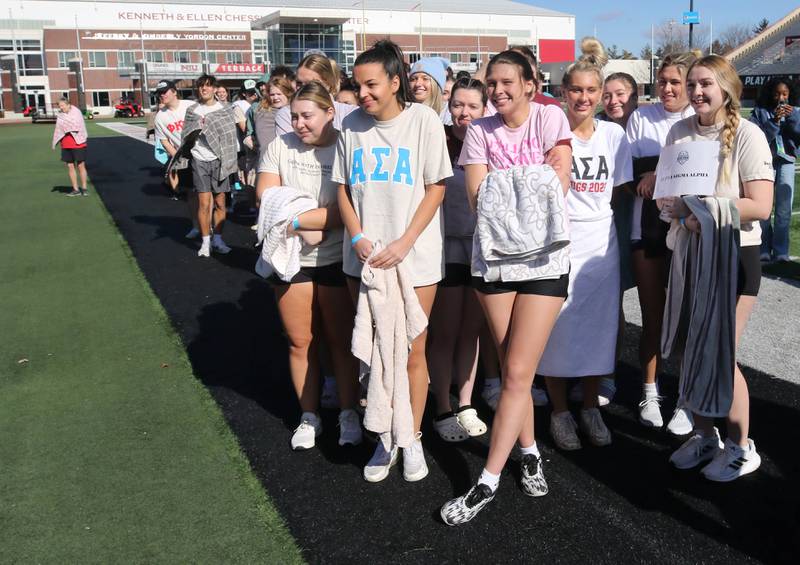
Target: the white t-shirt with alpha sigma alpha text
pixel 387 164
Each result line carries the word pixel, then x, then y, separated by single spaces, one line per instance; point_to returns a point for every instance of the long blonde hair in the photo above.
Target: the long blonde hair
pixel 327 70
pixel 592 60
pixel 434 99
pixel 731 85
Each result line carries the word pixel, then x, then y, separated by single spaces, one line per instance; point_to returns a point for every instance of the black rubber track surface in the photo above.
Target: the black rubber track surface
pixel 620 504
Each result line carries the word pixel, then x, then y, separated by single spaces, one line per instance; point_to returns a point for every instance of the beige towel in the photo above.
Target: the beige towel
pixel 388 318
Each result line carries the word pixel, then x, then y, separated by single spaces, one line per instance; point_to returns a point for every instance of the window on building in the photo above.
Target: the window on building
pixel 235 58
pixel 30 60
pixel 182 57
pixel 64 58
pixel 455 57
pixel 97 59
pixel 154 56
pixel 474 57
pixel 211 57
pixel 126 59
pixel 413 57
pixel 100 99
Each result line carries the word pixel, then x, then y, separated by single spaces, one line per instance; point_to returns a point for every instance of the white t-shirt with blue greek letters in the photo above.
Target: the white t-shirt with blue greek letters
pixel 387 164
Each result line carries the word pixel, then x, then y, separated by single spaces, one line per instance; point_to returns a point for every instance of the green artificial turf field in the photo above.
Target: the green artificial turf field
pixel 110 450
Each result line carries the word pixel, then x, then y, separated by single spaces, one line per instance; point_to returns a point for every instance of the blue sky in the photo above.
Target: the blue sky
pixel 626 23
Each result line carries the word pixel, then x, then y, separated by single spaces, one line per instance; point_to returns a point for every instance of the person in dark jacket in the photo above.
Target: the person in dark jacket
pixel 777 113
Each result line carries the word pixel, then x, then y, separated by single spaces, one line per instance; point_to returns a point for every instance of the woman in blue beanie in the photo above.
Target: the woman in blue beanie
pixel 427 79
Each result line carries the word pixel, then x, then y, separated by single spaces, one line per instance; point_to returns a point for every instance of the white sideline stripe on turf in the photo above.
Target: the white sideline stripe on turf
pixel 138 133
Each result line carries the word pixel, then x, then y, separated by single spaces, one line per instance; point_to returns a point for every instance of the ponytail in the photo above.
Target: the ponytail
pixel 593 58
pixel 389 55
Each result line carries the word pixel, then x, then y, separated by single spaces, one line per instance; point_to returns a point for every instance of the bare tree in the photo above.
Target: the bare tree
pixel 761 26
pixel 731 38
pixel 613 52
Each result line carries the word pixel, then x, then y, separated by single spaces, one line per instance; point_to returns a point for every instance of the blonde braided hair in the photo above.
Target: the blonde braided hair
pixel 731 85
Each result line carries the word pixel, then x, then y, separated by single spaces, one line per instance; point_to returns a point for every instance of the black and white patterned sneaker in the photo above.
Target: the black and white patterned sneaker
pixel 533 483
pixel 464 508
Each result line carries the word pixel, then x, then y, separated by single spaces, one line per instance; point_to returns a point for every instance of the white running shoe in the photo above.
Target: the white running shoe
pixel 608 388
pixel 449 429
pixel 219 246
pixel 469 420
pixel 414 466
pixel 563 429
pixel 732 462
pixel 533 483
pixel 204 251
pixel 464 508
pixel 491 392
pixel 695 450
pixel 309 429
pixel 681 422
pixel 329 397
pixel 650 411
pixel 539 396
pixel 594 427
pixel 378 466
pixel 193 233
pixel 349 428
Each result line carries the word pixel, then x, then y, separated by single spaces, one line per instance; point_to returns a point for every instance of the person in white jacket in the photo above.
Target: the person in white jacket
pixel 315 302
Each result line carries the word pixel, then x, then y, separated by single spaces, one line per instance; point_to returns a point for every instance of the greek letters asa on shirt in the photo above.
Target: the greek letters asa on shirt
pixel 401 174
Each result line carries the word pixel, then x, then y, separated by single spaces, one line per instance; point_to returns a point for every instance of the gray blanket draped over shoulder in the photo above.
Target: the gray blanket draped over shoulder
pixel 220 133
pixel 522 231
pixel 700 312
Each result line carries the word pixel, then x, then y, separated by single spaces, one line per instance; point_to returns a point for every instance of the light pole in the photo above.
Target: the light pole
pixel 691 25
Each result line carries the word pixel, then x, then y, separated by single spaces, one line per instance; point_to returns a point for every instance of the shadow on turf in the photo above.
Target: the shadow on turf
pixel 61 189
pixel 757 515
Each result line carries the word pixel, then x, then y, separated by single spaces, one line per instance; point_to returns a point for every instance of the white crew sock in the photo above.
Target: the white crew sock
pixel 650 390
pixel 206 240
pixel 532 450
pixel 489 479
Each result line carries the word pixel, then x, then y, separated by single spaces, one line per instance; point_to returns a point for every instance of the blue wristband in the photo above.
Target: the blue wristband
pixel 296 223
pixel 356 238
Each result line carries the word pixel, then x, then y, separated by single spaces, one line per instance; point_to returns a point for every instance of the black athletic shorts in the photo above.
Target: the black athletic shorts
pixel 327 275
pixel 548 287
pixel 456 274
pixel 73 155
pixel 748 281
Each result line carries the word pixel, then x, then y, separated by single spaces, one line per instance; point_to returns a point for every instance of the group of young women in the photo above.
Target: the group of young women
pixel 398 178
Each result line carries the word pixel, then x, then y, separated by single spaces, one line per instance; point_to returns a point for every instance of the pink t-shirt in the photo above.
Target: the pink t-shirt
pixel 490 142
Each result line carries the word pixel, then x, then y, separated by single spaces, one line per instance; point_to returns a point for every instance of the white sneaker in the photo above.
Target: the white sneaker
pixel 695 450
pixel 468 419
pixel 594 427
pixel 732 462
pixel 563 429
pixel 783 258
pixel 193 233
pixel 539 396
pixel 414 466
pixel 650 411
pixel 349 428
pixel 491 392
pixel 204 251
pixel 309 429
pixel 449 429
pixel 219 246
pixel 608 388
pixel 681 422
pixel 378 466
pixel 330 397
